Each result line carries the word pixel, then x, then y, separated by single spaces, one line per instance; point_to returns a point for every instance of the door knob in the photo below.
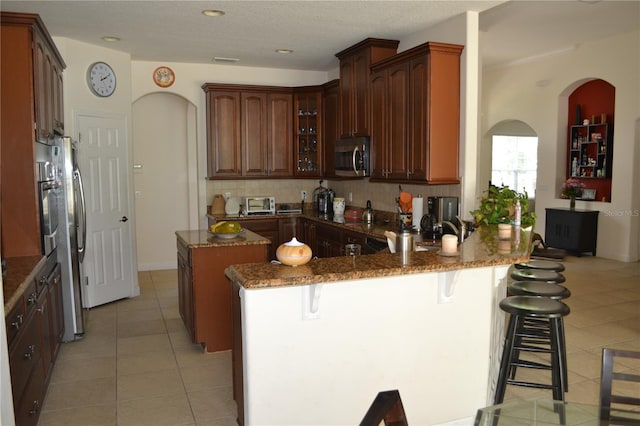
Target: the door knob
pixel 124 219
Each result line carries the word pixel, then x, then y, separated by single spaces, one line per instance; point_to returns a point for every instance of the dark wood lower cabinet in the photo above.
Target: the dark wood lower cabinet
pixel 205 292
pixel 573 230
pixel 35 330
pixel 268 228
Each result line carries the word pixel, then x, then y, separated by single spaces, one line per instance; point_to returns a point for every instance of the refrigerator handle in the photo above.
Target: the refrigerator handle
pixel 83 216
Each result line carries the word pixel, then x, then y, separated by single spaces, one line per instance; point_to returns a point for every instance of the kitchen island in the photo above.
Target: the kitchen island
pixel 314 344
pixel 204 294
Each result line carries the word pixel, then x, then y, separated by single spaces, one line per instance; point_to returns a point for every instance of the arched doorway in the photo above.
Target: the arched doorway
pixel 511 147
pixel 162 128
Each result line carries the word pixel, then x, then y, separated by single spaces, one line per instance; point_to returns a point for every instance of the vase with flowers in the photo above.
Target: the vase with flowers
pixel 571 189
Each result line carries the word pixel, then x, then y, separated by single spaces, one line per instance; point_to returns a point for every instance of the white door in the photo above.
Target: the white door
pixel 103 159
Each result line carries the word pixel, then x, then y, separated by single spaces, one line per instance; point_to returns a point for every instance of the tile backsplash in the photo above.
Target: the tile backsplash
pixel 382 195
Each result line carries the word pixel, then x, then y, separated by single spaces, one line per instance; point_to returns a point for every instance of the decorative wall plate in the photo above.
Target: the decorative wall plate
pixel 163 76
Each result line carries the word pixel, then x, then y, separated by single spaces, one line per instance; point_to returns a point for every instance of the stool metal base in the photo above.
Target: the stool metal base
pixel 521 337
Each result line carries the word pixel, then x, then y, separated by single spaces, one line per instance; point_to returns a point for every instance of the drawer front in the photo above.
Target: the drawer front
pixel 25 355
pixel 258 225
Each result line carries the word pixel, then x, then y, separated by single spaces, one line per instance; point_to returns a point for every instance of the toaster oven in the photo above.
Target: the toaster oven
pixel 259 205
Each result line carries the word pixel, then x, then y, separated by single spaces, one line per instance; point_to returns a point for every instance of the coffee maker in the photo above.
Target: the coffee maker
pixel 444 208
pixel 439 209
pixel 325 201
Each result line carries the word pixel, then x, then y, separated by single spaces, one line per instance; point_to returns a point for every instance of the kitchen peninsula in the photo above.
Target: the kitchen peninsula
pixel 314 344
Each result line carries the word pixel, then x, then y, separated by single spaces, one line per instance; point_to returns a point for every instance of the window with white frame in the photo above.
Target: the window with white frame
pixel 515 162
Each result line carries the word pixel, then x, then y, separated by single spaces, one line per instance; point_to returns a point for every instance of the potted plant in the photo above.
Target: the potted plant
pixel 498 205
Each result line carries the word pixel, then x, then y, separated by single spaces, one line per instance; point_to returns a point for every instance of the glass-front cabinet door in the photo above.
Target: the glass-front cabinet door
pixel 308 124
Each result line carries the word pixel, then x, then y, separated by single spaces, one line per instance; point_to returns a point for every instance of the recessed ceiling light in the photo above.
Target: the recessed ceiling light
pixel 212 12
pixel 111 38
pixel 223 59
pixel 284 51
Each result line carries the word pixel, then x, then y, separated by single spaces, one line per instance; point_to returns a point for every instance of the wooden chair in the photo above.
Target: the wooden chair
pixel 608 377
pixel 386 407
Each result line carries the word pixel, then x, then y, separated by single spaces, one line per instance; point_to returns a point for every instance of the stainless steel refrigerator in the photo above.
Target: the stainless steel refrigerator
pixel 71 236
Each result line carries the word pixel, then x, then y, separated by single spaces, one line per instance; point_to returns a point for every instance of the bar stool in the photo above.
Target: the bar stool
pixel 538 275
pixel 532 340
pixel 541 289
pixel 546 265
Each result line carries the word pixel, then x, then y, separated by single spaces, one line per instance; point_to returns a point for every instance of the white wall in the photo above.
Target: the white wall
pixel 537 92
pixel 6 395
pixel 369 336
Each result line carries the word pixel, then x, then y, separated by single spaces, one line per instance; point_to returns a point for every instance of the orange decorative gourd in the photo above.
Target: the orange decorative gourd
pixel 294 253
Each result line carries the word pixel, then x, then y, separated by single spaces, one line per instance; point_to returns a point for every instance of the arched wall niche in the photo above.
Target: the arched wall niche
pixel 594 101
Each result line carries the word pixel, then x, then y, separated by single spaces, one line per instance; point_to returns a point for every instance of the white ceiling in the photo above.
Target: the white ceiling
pixel 176 31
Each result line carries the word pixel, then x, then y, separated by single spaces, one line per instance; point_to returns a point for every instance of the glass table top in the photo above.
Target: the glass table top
pixel 541 412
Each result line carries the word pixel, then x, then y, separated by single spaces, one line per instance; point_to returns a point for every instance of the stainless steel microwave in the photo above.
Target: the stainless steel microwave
pixel 352 157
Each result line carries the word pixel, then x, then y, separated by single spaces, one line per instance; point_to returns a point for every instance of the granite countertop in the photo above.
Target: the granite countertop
pixel 481 249
pixel 375 230
pixel 204 238
pixel 20 274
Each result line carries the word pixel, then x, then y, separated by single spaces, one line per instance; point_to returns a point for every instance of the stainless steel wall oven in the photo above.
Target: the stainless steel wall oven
pixel 48 191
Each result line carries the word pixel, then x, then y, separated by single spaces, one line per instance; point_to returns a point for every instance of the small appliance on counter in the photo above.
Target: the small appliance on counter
pixel 259 205
pixel 325 201
pixel 439 210
pixel 232 206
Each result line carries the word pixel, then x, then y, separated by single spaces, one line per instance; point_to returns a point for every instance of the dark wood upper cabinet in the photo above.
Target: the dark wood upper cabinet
pixel 253 116
pixel 309 133
pixel 355 63
pixel 330 124
pixel 223 134
pixel 416 115
pixel 249 131
pixel 31 82
pixel 280 137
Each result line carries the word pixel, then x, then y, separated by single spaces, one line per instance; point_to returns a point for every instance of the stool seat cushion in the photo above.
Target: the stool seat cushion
pixel 537 275
pixel 538 288
pixel 541 264
pixel 532 306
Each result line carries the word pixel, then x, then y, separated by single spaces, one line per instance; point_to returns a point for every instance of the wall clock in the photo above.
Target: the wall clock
pixel 101 79
pixel 163 76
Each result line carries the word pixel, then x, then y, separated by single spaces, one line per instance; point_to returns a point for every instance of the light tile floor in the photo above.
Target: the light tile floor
pixel 136 365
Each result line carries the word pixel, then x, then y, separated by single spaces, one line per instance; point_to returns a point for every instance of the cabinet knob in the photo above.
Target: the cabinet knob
pixel 31 350
pixel 32 299
pixel 18 322
pixel 35 408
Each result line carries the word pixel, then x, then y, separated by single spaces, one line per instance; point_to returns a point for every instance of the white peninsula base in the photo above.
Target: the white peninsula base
pixel 318 354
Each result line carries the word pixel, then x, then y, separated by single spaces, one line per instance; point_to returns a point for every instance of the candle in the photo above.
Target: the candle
pixel 504 247
pixel 504 231
pixel 449 244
